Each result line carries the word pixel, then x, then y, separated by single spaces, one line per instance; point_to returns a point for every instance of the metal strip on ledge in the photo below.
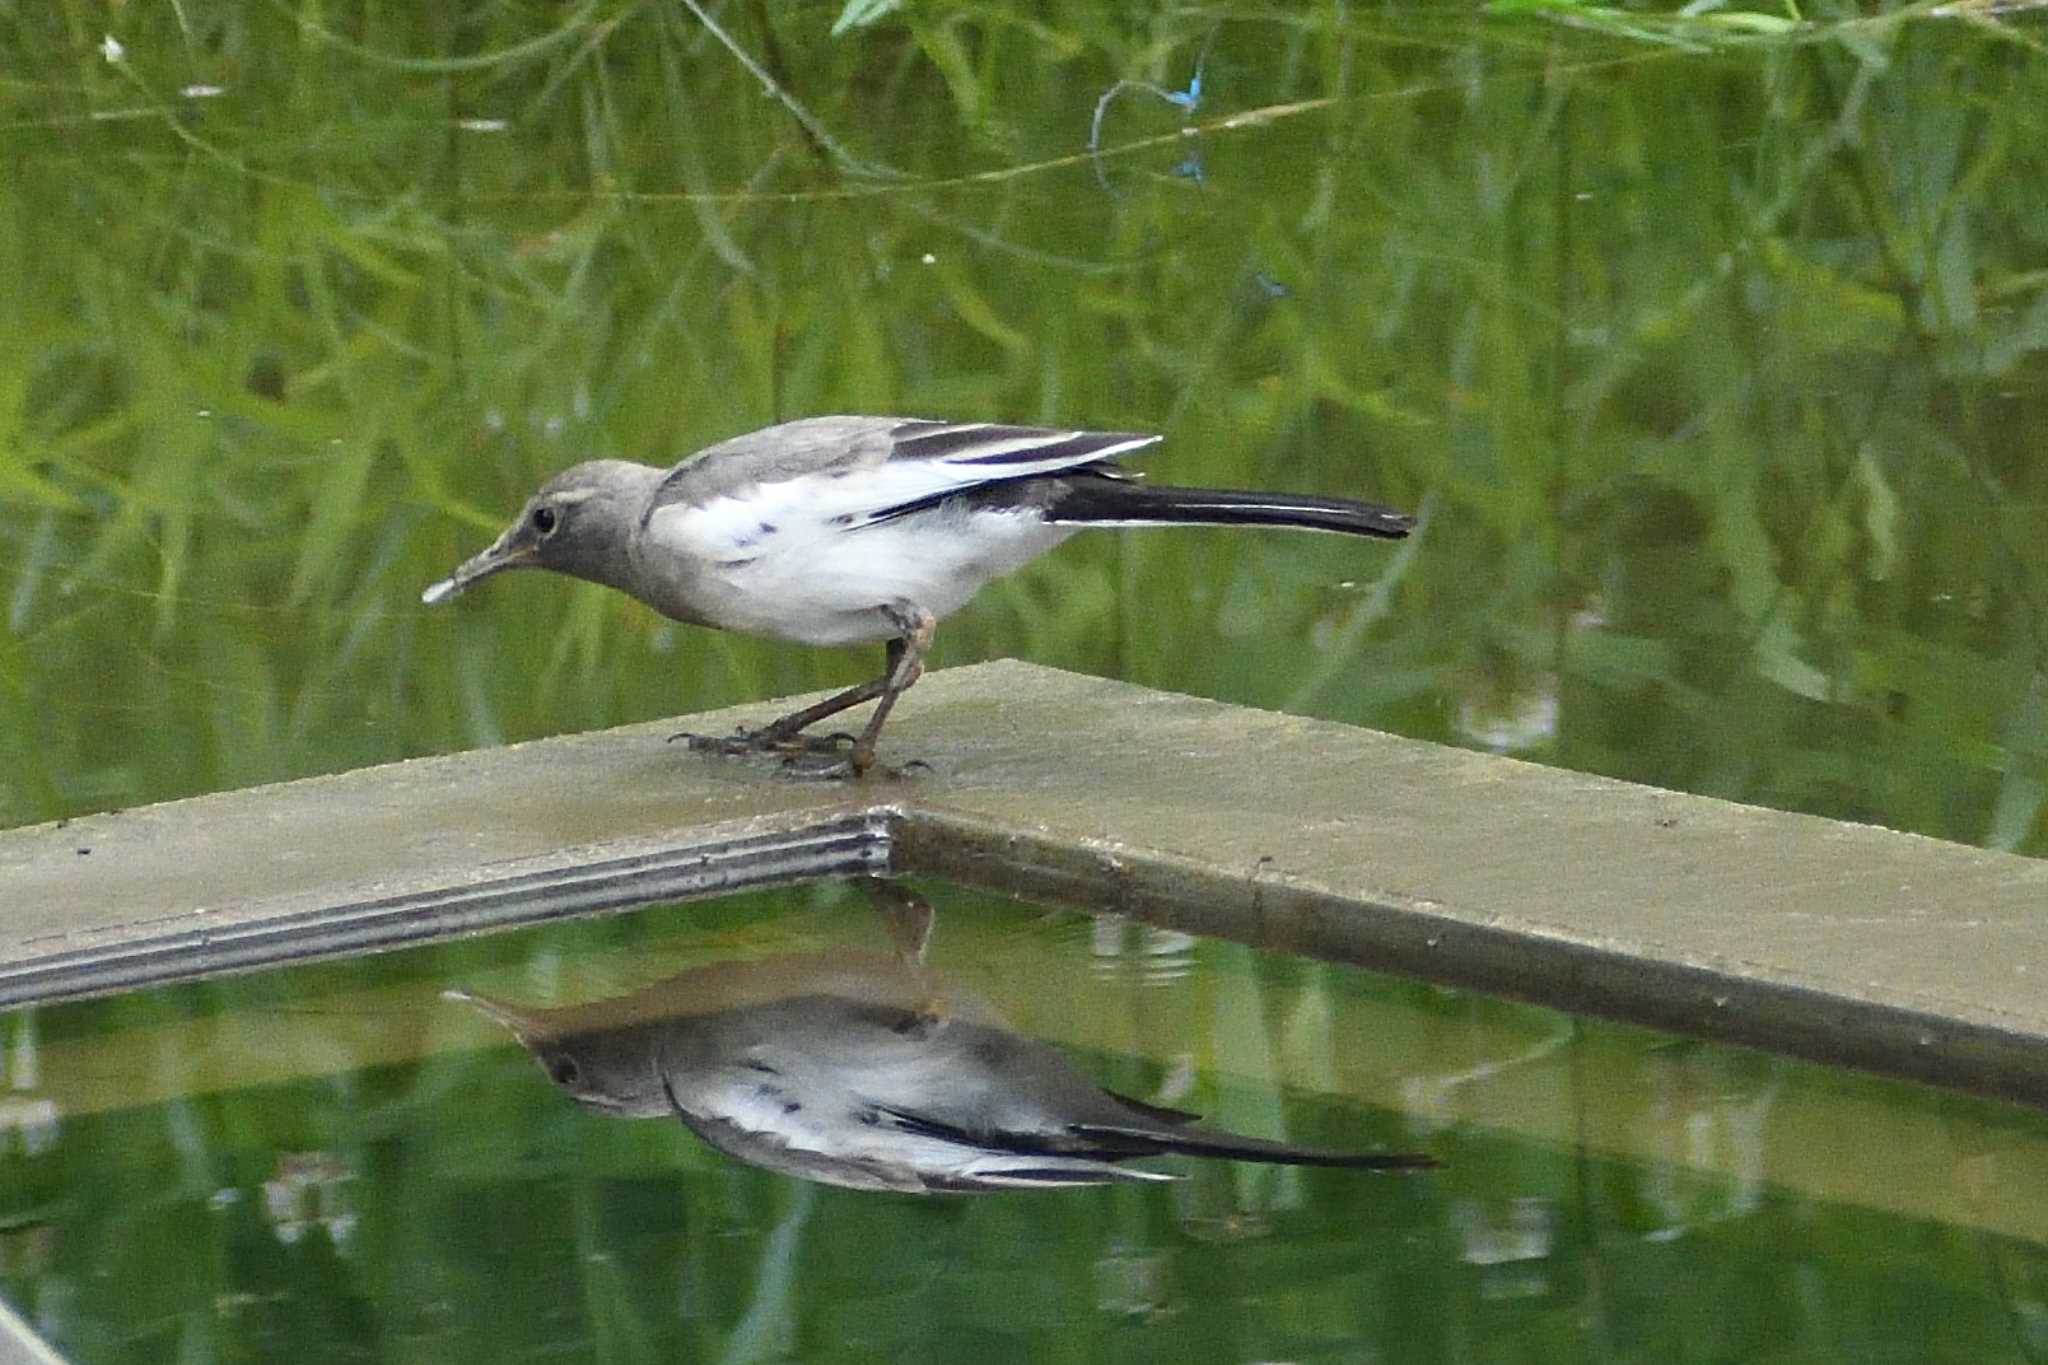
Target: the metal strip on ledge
pixel 19 1344
pixel 841 847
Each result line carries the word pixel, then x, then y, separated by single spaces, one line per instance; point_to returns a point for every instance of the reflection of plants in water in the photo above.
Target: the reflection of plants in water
pixel 1187 101
pixel 1723 333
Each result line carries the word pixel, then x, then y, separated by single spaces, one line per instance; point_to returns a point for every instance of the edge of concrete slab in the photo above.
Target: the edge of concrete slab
pixel 1720 1002
pixel 714 863
pixel 1843 943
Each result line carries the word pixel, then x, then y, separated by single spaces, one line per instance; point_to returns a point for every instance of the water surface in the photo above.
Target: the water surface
pixel 336 1163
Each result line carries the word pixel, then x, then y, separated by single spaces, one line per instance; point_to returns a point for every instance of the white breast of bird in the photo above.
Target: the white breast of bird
pixel 815 559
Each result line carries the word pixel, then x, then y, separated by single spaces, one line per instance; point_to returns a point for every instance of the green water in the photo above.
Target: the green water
pixel 1711 349
pixel 336 1164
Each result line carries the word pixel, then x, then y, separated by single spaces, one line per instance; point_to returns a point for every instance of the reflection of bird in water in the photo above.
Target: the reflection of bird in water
pixel 850 1069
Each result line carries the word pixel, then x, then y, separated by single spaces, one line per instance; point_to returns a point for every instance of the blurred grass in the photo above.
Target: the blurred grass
pixel 1714 347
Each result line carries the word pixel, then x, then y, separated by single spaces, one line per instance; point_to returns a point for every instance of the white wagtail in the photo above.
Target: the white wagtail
pixel 842 530
pixel 859 1069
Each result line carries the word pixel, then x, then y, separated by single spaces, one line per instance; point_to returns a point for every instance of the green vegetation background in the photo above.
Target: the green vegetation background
pixel 1711 348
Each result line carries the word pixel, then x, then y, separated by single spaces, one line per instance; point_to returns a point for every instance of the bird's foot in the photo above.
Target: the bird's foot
pixel 852 764
pixel 767 740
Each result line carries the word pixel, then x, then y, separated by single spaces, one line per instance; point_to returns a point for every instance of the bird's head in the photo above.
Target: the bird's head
pixel 606 1071
pixel 581 523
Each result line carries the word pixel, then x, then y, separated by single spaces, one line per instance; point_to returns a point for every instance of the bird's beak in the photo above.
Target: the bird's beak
pixel 522 1025
pixel 509 551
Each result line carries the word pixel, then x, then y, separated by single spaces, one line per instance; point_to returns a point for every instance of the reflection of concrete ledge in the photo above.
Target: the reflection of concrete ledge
pixel 1840 942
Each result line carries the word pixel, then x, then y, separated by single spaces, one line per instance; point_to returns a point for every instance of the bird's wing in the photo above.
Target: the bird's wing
pixel 876 1149
pixel 847 472
pixel 960 1159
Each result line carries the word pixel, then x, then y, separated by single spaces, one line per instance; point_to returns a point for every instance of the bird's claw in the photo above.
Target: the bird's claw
pixel 830 757
pixel 807 768
pixel 767 740
pixel 832 770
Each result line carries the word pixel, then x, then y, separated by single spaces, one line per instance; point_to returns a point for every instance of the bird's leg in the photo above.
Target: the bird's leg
pixel 902 665
pixel 905 666
pixel 906 917
pixel 907 660
pixel 782 733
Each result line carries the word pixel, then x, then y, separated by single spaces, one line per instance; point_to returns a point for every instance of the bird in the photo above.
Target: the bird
pixel 856 529
pixel 853 1068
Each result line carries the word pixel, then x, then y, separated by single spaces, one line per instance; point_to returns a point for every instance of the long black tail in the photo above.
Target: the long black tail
pixel 1085 501
pixel 1116 1142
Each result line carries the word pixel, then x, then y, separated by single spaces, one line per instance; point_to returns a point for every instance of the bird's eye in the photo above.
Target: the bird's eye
pixel 544 520
pixel 564 1071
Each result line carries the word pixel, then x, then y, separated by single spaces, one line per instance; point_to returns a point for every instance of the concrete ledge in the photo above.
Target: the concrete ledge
pixel 1844 943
